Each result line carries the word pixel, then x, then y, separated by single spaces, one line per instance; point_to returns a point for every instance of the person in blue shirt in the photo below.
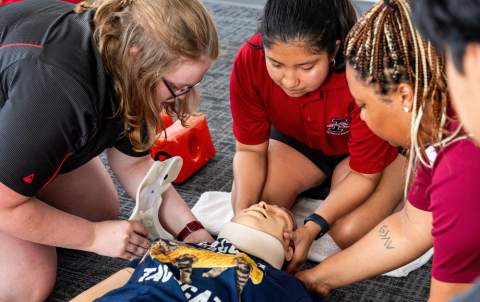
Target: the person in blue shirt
pixel 243 264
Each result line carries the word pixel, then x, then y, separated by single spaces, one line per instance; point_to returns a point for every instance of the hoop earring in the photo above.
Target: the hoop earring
pixel 405 108
pixel 333 62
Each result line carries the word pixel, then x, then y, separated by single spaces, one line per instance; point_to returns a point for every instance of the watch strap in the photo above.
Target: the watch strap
pixel 191 227
pixel 320 221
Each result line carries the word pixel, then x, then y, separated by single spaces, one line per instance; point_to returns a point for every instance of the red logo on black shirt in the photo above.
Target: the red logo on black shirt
pixel 29 178
pixel 339 126
pixel 162 155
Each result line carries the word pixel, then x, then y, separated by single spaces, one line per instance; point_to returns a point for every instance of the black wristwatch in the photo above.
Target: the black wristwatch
pixel 320 221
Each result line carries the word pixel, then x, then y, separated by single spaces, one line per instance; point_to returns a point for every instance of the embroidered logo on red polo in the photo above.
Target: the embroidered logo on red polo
pixel 29 178
pixel 338 126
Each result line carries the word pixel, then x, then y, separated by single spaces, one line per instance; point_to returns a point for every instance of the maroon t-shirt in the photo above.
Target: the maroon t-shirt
pixel 451 191
pixel 326 119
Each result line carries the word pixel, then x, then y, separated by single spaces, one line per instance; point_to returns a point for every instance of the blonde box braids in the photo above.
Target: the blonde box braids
pixel 385 49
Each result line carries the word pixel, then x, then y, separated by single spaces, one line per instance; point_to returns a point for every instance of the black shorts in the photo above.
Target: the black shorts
pixel 324 162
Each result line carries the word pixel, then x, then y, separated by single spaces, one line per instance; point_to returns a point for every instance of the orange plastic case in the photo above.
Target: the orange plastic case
pixel 194 144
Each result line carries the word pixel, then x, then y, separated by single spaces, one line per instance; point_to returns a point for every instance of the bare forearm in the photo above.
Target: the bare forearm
pixel 250 172
pixel 385 248
pixel 443 291
pixel 346 196
pixel 38 222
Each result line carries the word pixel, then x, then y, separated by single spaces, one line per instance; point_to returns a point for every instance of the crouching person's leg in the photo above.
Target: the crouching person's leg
pixel 28 270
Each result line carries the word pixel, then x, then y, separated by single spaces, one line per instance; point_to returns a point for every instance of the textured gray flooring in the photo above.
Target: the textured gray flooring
pixel 78 271
pixel 363 5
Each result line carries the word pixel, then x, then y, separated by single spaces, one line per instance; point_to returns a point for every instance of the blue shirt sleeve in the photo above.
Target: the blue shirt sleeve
pixel 133 264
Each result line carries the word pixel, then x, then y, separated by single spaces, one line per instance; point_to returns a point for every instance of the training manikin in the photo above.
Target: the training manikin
pixel 243 264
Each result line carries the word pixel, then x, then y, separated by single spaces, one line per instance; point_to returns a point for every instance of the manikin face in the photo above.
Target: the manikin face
pixel 296 70
pixel 267 218
pixel 188 73
pixel 384 115
pixel 465 89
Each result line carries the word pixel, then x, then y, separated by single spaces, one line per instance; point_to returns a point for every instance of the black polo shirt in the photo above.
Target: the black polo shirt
pixel 57 105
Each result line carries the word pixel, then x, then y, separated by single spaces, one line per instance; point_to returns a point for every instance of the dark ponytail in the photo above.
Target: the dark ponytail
pixel 315 23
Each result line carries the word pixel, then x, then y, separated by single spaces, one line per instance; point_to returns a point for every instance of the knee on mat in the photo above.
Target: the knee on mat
pixel 35 289
pixel 271 194
pixel 41 293
pixel 345 234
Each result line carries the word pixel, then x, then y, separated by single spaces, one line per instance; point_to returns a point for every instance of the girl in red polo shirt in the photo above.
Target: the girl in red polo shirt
pixel 404 99
pixel 297 125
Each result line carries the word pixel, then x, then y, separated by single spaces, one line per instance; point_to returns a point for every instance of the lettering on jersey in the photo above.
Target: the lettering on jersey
pixel 222 246
pixel 190 290
pixel 203 297
pixel 29 178
pixel 163 274
pixel 338 126
pixel 187 287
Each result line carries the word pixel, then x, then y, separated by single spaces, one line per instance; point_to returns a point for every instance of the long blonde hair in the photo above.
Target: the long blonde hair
pixel 385 48
pixel 164 32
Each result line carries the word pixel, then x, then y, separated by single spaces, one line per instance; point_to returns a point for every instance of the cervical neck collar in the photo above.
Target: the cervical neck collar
pixel 254 242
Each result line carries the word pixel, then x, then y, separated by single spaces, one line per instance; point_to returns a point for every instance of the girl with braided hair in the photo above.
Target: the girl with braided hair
pixel 399 83
pixel 75 81
pixel 297 126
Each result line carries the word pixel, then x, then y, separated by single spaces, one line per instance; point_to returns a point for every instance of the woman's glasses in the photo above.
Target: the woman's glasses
pixel 180 91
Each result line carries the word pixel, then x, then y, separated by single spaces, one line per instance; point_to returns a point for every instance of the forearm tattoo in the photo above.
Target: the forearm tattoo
pixel 383 232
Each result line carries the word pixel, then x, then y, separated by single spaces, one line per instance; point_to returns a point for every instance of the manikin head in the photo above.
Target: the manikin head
pixel 272 220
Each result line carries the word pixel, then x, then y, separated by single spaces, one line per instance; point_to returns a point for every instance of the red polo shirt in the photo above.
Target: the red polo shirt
pixel 326 119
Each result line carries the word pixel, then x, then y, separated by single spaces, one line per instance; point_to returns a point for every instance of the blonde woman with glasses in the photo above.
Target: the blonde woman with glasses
pixel 75 81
